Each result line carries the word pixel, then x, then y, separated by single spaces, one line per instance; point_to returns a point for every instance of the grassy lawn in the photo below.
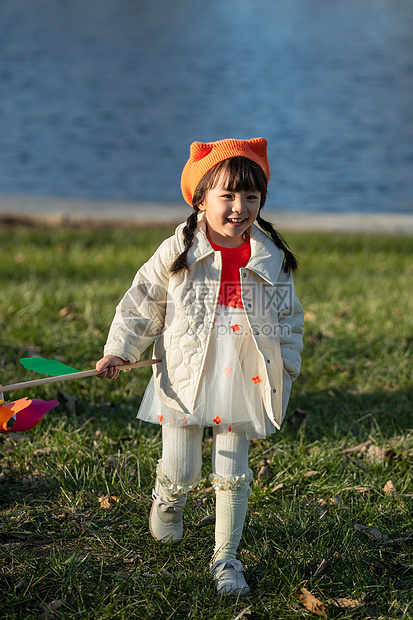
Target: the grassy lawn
pixel 66 552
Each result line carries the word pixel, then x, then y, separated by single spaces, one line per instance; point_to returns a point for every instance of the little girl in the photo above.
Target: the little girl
pixel 218 301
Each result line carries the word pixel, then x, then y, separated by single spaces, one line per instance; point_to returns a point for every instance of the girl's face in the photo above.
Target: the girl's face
pixel 229 214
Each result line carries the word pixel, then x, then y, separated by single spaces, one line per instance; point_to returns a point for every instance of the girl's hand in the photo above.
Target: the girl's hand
pixel 108 366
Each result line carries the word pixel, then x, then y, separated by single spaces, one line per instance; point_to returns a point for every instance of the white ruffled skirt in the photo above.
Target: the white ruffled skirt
pixel 230 392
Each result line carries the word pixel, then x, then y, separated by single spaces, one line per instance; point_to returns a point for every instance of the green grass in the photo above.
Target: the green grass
pixel 63 556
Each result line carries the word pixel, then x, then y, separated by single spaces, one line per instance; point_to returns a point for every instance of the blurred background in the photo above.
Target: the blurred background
pixel 100 99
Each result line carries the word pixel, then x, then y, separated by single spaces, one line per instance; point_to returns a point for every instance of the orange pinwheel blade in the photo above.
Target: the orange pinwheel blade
pixel 8 410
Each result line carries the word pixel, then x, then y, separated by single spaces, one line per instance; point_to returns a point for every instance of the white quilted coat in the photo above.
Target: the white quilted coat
pixel 177 314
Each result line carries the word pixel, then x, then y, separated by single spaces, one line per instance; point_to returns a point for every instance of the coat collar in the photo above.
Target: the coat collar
pixel 200 247
pixel 266 259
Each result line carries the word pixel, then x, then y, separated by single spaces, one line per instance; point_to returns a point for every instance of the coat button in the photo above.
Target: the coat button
pixel 256 333
pixel 274 390
pixel 249 306
pixel 268 361
pixel 244 275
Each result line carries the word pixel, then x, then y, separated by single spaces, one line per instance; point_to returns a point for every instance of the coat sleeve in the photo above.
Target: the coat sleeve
pixel 291 326
pixel 140 315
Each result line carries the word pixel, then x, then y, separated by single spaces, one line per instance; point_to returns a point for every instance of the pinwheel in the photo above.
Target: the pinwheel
pixel 26 412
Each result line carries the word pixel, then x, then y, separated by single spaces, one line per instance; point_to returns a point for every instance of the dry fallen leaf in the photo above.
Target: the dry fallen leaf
pixel 249 553
pixel 358 489
pixel 374 564
pixel 315 339
pixel 56 604
pixel 323 568
pixel 202 491
pixel 339 367
pixel 297 417
pixel 20 584
pixel 375 454
pixel 311 603
pixel 391 541
pixel 67 312
pixel 347 603
pixel 112 462
pixel 321 507
pixel 265 474
pixel 360 448
pixel 244 614
pixel 397 439
pixel 31 480
pixel 371 532
pixel 201 501
pixel 389 488
pixel 371 452
pixel 31 350
pixel 278 487
pixel 43 451
pixel 70 400
pixel 51 610
pixel 208 520
pixel 343 311
pixel 311 473
pixel 19 257
pixel 108 501
pixel 337 501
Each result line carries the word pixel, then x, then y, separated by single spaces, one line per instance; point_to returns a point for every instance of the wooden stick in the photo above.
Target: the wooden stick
pixel 73 375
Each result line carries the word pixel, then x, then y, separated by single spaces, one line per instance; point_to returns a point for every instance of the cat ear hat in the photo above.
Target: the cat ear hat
pixel 204 156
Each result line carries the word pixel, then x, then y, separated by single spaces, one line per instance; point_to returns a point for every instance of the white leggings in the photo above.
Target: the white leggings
pixel 180 470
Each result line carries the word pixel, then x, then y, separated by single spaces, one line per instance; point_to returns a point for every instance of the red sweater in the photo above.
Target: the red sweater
pixel 232 261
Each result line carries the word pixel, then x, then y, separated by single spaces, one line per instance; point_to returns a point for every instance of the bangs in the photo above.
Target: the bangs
pixel 236 174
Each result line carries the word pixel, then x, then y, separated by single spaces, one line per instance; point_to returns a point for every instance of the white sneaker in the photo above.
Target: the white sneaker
pixel 229 577
pixel 165 519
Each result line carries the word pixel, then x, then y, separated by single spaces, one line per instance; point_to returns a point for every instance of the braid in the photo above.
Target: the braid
pixel 181 261
pixel 290 262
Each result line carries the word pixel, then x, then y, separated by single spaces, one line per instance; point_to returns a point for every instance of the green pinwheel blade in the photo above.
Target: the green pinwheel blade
pixel 47 367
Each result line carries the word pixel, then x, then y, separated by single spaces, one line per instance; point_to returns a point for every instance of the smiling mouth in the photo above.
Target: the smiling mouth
pixel 236 222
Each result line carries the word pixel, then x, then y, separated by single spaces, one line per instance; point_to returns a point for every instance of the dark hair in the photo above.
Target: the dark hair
pixel 241 174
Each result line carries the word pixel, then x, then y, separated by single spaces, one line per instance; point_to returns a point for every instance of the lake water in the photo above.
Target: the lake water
pixel 101 98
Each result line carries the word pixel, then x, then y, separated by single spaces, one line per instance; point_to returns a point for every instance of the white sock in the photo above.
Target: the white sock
pixel 231 479
pixel 179 470
pixel 231 510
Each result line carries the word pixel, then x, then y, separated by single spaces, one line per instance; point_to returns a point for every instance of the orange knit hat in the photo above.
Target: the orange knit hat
pixel 204 156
